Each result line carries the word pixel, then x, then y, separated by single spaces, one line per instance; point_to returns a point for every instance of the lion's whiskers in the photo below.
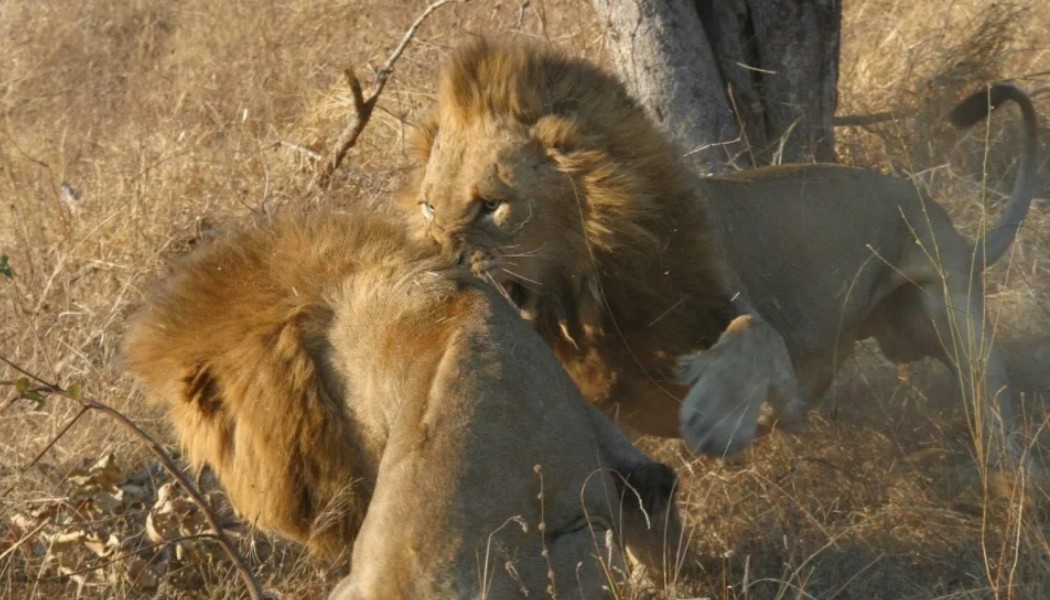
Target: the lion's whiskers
pixel 502 292
pixel 528 254
pixel 519 278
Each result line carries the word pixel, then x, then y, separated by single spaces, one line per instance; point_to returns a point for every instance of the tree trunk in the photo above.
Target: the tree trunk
pixel 662 53
pixel 703 68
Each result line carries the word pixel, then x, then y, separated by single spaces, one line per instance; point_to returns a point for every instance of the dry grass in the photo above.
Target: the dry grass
pixel 162 116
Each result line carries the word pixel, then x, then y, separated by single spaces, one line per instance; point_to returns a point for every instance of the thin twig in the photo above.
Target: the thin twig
pixel 865 120
pixel 65 429
pixel 25 538
pixel 363 107
pixel 300 148
pixel 254 589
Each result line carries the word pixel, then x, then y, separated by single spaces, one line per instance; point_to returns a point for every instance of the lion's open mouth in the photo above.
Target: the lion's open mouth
pixel 515 292
pixel 524 299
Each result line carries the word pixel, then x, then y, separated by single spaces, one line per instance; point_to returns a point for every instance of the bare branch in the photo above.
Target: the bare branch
pixel 388 68
pixel 255 591
pixel 363 106
pixel 355 91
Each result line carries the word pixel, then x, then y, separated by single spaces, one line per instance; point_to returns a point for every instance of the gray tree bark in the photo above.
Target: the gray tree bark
pixel 704 69
pixel 662 53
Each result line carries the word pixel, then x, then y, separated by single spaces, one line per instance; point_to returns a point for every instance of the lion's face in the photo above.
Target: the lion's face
pixel 547 178
pixel 493 193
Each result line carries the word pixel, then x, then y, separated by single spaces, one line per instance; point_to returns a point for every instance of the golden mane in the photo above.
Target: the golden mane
pixel 633 193
pixel 241 327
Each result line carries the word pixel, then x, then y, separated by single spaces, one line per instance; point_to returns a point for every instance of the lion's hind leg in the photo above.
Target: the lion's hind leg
pixel 970 351
pixel 947 321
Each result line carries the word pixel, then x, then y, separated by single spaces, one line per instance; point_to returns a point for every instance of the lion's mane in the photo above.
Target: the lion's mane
pixel 235 344
pixel 641 282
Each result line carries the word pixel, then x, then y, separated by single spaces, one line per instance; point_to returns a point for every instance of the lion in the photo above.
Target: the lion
pixel 550 180
pixel 846 254
pixel 540 172
pixel 351 389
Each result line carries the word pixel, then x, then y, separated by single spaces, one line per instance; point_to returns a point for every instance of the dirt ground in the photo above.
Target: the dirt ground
pixel 130 129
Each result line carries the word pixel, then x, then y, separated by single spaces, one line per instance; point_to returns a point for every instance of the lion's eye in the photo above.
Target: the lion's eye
pixel 427 209
pixel 489 205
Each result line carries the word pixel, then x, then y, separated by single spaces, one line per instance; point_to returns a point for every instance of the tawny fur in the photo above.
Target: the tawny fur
pixel 542 171
pixel 831 255
pixel 233 342
pixel 349 388
pixel 542 165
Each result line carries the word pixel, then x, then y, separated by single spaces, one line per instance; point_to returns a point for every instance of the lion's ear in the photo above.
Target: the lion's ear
pixel 423 139
pixel 420 146
pixel 557 134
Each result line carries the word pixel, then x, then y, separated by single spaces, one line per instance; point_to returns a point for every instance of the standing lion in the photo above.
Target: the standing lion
pixel 550 180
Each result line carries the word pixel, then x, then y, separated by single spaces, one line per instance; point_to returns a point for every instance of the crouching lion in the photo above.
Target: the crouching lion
pixel 542 171
pixel 348 388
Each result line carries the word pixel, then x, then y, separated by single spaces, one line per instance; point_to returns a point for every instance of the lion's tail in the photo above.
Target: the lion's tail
pixel 974 109
pixel 232 344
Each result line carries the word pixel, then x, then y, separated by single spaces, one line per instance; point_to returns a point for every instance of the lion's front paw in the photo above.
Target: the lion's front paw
pixel 794 418
pixel 744 379
pixel 720 415
pixel 713 435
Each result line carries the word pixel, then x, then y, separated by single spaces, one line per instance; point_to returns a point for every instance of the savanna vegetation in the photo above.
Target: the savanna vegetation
pixel 132 129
